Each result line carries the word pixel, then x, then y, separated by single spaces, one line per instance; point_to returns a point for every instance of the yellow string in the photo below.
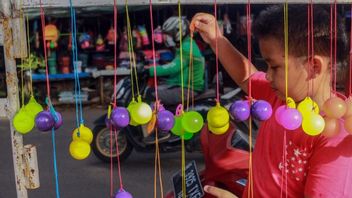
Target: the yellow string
pixel 183 160
pixel 29 56
pixel 130 45
pixel 21 54
pixel 190 73
pixel 286 48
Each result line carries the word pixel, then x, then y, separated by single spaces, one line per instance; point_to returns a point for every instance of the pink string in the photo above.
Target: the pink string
pixel 312 40
pixel 249 42
pixel 349 91
pixel 44 48
pixel 115 51
pixel 331 48
pixel 118 158
pixel 335 44
pixel 111 167
pixel 153 49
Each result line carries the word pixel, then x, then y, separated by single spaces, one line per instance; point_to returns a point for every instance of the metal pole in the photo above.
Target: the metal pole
pixel 12 104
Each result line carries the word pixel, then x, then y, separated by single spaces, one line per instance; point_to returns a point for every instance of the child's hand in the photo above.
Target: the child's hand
pixel 218 192
pixel 205 24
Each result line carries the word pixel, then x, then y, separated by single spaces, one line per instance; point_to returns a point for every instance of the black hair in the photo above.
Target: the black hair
pixel 270 23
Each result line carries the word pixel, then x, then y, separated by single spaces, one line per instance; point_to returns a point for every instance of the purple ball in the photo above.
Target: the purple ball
pixel 161 107
pixel 44 121
pixel 165 120
pixel 261 110
pixel 278 113
pixel 108 123
pixel 59 121
pixel 240 110
pixel 291 119
pixel 123 194
pixel 120 117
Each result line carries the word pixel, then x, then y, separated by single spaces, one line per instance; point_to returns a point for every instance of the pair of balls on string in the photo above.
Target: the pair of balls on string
pixel 80 148
pixel 336 108
pixel 218 120
pixel 24 118
pixel 165 119
pixel 312 122
pixel 187 124
pixel 140 112
pixel 260 110
pixel 45 121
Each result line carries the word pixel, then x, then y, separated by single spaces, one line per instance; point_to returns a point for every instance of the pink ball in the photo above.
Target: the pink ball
pixel 291 119
pixel 278 113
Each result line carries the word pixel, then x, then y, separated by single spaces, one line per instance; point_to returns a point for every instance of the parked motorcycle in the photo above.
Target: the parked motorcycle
pixel 132 137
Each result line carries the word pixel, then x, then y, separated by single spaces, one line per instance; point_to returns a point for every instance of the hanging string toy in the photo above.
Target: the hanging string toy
pixel 82 136
pixel 24 119
pixel 287 115
pixel 140 112
pixel 336 108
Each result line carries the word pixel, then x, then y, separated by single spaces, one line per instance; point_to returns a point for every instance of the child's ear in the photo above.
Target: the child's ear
pixel 316 68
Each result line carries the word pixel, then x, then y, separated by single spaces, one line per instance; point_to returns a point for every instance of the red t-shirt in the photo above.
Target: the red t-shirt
pixel 316 166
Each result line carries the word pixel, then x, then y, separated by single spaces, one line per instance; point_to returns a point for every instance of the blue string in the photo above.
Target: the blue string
pixel 76 58
pixel 74 61
pixel 55 163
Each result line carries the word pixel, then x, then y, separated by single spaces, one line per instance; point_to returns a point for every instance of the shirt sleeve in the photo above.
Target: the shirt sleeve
pixel 330 168
pixel 261 89
pixel 170 68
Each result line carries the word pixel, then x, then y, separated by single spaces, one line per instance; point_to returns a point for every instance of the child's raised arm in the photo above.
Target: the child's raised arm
pixel 233 61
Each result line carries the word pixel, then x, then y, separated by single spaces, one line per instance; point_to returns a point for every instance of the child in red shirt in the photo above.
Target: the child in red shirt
pixel 316 166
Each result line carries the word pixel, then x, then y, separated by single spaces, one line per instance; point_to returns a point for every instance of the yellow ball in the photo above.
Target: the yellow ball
pixel 140 112
pixel 79 150
pixel 33 107
pixel 348 124
pixel 308 106
pixel 85 134
pixel 218 116
pixel 220 130
pixel 290 103
pixel 23 122
pixel 313 124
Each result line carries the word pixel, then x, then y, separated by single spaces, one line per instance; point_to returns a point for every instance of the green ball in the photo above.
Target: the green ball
pixel 187 136
pixel 178 129
pixel 33 107
pixel 23 122
pixel 192 121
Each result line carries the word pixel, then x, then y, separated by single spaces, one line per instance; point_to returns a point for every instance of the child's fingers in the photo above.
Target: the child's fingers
pixel 218 192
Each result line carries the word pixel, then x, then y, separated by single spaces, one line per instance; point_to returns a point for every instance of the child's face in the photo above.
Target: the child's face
pixel 274 55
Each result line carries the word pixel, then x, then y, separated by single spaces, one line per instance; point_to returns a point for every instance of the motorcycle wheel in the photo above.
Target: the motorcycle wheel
pixel 101 144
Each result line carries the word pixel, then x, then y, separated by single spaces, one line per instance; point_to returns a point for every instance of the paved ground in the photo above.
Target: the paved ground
pixel 89 178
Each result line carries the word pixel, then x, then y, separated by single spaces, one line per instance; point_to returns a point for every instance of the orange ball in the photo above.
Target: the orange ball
pixel 348 124
pixel 335 107
pixel 348 107
pixel 332 127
